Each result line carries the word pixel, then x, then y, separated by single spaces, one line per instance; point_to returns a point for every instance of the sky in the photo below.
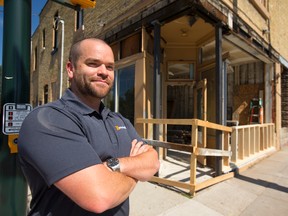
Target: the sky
pixel 37 6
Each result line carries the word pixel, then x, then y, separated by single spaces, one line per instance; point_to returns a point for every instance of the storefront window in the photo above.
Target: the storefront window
pixel 121 97
pixel 126 77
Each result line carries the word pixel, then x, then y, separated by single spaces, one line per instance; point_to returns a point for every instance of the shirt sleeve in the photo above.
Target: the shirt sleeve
pixel 54 144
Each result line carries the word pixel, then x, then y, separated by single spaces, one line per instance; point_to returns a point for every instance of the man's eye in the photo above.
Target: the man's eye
pixel 93 65
pixel 110 68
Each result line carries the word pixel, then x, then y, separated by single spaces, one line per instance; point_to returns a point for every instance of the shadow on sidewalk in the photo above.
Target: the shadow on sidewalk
pixel 263 183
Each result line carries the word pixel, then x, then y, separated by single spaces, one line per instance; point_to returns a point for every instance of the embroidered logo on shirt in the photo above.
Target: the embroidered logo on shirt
pixel 120 127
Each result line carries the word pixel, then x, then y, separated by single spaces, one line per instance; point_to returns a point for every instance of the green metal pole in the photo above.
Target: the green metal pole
pixel 15 89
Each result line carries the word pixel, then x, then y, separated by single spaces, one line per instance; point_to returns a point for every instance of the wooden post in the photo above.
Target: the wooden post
pixel 241 143
pixel 246 144
pixel 193 162
pixel 234 144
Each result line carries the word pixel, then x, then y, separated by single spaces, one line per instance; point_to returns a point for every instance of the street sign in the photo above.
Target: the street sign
pixel 13 117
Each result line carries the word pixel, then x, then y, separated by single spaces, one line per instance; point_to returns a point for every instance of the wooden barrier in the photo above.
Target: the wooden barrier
pixel 193 149
pixel 240 143
pixel 249 140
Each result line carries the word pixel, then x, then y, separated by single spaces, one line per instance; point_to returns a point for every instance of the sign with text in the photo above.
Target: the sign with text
pixel 13 117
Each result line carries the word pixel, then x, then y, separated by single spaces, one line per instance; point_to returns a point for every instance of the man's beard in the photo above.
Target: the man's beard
pixel 86 88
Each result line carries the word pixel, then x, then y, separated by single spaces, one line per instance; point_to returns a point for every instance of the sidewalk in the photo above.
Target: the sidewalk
pixel 261 190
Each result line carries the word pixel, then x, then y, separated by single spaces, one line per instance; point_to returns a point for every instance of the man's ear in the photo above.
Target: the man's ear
pixel 70 69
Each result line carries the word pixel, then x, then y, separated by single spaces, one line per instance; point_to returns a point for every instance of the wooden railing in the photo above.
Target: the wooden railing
pixel 193 148
pixel 248 141
pixel 239 145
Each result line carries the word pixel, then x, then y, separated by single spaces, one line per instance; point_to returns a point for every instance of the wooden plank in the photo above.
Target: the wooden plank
pixel 193 160
pixel 257 139
pixel 226 148
pixel 167 121
pixel 270 136
pixel 262 138
pixel 241 143
pixel 192 122
pixel 193 170
pixel 212 125
pixel 213 181
pixel 246 142
pixel 252 140
pixel 212 152
pixel 234 145
pixel 274 143
pixel 171 183
pixel 266 137
pixel 238 111
pixel 169 145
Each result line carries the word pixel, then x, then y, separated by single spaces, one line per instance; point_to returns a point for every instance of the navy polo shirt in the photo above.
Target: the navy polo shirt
pixel 63 137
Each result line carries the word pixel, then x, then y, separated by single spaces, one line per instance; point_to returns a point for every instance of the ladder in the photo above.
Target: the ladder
pixel 256 111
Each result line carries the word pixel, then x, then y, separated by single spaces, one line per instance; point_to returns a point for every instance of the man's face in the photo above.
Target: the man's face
pixel 93 74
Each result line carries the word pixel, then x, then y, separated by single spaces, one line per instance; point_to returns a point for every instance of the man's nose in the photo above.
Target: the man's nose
pixel 102 69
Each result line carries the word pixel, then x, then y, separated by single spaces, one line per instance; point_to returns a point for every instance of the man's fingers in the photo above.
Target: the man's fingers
pixel 138 148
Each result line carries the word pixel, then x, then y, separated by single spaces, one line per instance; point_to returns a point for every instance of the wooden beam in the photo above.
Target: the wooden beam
pixel 170 145
pixel 212 152
pixel 213 181
pixel 173 183
pixel 196 122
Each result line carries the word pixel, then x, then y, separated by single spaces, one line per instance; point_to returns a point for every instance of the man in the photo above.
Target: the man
pixel 80 158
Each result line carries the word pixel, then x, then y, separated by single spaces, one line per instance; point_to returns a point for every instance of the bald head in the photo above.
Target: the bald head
pixel 75 50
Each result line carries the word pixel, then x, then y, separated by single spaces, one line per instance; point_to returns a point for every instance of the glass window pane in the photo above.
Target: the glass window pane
pixel 109 100
pixel 126 80
pixel 180 71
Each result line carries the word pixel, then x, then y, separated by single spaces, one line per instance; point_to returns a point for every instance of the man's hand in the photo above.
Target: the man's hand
pixel 143 162
pixel 138 147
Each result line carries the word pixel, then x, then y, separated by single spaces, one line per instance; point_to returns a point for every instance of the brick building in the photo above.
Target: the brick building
pixel 164 49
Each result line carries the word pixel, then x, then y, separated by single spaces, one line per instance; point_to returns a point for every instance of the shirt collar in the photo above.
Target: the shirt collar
pixel 72 101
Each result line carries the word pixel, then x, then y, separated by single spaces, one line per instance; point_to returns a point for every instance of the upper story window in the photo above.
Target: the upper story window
pixel 55 33
pixel 262 7
pixel 46 94
pixel 35 58
pixel 79 19
pixel 43 39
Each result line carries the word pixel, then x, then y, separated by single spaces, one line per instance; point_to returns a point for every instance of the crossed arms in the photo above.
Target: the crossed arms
pixel 97 188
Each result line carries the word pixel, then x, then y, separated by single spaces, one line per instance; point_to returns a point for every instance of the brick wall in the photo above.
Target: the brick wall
pixel 284 98
pixel 279 19
pixel 103 17
pixel 96 20
pixel 47 71
pixel 248 12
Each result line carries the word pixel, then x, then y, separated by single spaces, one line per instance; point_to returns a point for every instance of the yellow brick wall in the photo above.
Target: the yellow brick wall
pixel 96 19
pixel 278 11
pixel 249 14
pixel 47 62
pixel 279 30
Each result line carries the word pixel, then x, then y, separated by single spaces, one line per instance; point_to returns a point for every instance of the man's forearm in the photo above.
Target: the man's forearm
pixel 142 166
pixel 97 188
